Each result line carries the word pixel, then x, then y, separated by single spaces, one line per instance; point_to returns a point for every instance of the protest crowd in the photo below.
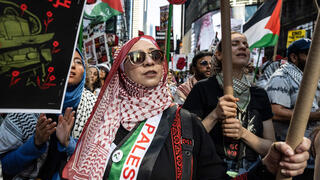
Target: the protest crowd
pixel 128 114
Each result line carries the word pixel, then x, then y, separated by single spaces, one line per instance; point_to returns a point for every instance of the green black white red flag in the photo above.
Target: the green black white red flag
pixel 263 28
pixel 102 10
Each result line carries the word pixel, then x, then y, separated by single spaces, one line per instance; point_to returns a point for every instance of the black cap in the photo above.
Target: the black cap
pixel 299 46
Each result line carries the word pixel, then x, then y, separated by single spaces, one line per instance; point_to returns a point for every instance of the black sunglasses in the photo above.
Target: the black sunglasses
pixel 204 63
pixel 138 57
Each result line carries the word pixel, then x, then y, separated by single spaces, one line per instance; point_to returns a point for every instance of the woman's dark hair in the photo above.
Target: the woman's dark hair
pixel 101 68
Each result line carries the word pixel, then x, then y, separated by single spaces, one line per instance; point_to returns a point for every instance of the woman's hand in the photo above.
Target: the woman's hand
pixel 226 111
pixel 44 128
pixel 226 107
pixel 65 124
pixel 291 163
pixel 232 128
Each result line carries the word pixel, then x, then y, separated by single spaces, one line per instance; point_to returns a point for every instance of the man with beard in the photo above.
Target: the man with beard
pixel 283 88
pixel 201 66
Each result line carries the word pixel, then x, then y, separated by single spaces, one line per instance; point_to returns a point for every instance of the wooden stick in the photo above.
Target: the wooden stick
pixel 226 47
pixel 306 94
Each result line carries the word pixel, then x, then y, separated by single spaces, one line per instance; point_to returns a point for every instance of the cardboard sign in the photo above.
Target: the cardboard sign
pixel 89 49
pixel 101 48
pixel 164 16
pixel 37 42
pixel 180 63
pixel 295 35
pixel 161 38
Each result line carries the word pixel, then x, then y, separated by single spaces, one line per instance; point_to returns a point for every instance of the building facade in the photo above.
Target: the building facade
pixel 137 17
pixel 293 17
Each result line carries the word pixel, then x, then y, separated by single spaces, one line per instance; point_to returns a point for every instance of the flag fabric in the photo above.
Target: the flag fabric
pixel 102 10
pixel 80 37
pixel 263 28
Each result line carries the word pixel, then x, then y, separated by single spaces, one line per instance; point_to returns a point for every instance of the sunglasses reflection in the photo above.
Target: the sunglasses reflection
pixel 138 57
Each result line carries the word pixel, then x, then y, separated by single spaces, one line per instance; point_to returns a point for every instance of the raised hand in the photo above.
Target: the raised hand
pixel 44 128
pixel 291 163
pixel 65 124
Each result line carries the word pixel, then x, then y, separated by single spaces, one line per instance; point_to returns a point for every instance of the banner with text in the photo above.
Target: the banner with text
pixel 295 35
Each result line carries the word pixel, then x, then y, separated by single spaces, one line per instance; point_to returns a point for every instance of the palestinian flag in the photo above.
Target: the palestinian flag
pixel 101 10
pixel 263 28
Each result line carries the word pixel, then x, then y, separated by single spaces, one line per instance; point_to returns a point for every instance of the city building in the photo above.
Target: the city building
pixel 293 17
pixel 137 17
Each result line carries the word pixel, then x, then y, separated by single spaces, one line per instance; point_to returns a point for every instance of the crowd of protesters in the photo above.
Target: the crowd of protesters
pixel 147 124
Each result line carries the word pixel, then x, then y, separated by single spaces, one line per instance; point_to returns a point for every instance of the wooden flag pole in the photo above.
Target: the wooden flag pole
pixel 306 94
pixel 226 47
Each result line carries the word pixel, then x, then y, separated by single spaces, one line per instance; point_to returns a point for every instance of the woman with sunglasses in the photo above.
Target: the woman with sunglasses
pixel 240 125
pixel 135 132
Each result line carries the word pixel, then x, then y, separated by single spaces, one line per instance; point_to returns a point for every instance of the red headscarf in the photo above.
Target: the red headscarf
pixel 121 101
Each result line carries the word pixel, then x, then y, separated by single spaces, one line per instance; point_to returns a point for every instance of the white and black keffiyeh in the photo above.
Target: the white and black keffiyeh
pixel 15 130
pixel 84 109
pixel 19 127
pixel 241 90
pixel 283 89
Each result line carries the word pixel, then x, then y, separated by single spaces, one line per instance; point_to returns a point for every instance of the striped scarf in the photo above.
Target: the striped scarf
pixel 296 75
pixel 241 90
pixel 184 89
pixel 15 130
pixel 84 109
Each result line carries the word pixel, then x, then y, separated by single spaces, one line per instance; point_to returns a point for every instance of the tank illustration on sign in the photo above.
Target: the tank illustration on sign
pixel 22 42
